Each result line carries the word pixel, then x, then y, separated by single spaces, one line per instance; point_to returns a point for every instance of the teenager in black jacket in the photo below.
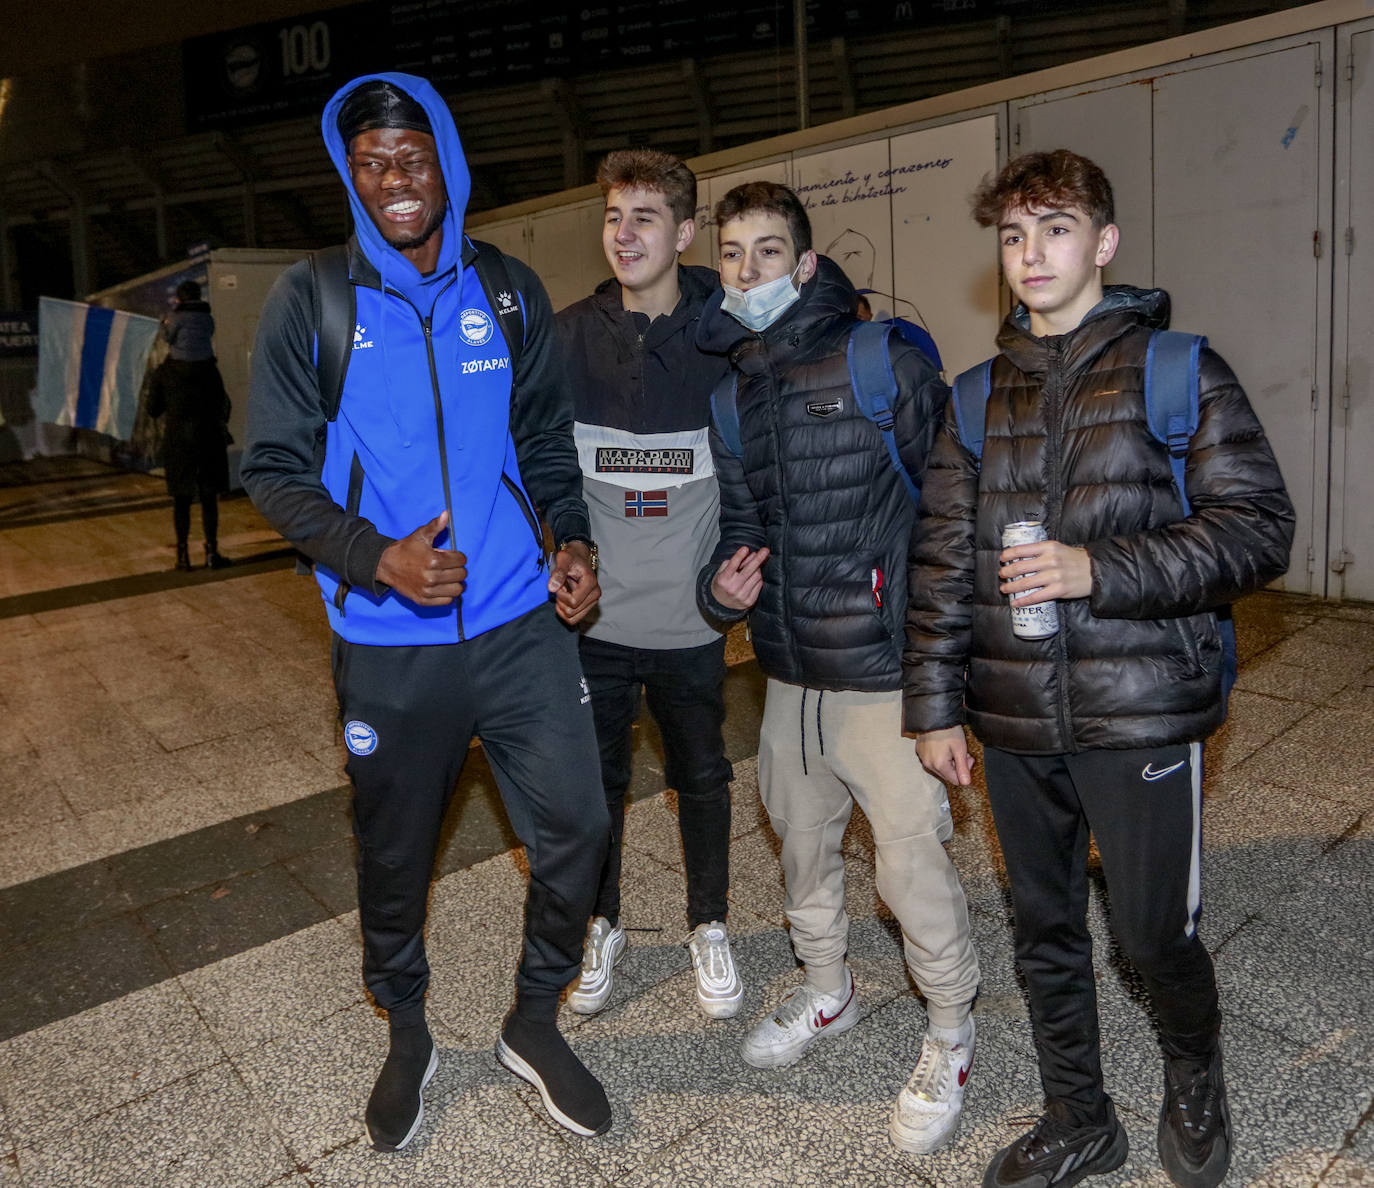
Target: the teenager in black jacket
pixel 815 525
pixel 1098 728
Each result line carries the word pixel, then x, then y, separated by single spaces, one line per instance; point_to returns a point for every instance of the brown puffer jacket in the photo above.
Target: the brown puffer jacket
pixel 1138 662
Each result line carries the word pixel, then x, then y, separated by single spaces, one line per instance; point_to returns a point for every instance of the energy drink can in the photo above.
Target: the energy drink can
pixel 1041 620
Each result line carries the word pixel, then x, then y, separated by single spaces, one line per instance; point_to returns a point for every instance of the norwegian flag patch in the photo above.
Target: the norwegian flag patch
pixel 646 503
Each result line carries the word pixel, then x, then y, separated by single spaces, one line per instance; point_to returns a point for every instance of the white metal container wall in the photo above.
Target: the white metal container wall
pixel 1243 162
pixel 239 280
pixel 510 236
pixel 1112 127
pixel 1224 166
pixel 1350 568
pixel 1225 161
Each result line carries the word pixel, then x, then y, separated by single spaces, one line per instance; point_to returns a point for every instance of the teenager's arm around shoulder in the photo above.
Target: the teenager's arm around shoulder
pixel 284 440
pixel 1237 536
pixel 541 415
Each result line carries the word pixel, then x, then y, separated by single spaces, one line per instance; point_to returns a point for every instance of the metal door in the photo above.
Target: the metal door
pixel 1351 563
pixel 1242 162
pixel 1111 127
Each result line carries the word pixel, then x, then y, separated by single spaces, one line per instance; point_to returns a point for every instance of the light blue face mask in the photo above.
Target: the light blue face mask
pixel 758 308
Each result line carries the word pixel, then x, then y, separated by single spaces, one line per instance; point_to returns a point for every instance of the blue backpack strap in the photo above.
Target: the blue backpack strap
pixel 1171 407
pixel 875 389
pixel 971 391
pixel 919 337
pixel 725 412
pixel 1171 396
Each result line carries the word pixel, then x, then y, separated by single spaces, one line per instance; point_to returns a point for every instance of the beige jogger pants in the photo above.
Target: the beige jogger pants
pixel 819 752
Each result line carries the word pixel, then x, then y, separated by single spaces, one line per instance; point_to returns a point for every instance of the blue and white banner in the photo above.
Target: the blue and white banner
pixel 91 362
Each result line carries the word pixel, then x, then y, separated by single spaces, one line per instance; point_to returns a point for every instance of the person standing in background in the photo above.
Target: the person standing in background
pixel 189 391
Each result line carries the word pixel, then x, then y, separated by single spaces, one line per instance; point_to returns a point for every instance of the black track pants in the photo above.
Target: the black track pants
pixel 683 689
pixel 409 714
pixel 1143 808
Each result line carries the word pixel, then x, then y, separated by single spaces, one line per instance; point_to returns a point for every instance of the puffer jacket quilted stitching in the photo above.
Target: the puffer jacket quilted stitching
pixel 816 485
pixel 1137 663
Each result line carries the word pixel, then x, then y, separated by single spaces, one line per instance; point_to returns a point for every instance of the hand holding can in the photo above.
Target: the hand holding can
pixel 1041 620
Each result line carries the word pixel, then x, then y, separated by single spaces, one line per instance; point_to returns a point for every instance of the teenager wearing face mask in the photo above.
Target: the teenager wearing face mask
pixel 815 523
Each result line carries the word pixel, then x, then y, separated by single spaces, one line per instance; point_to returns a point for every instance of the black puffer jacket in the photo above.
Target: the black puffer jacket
pixel 1137 663
pixel 816 485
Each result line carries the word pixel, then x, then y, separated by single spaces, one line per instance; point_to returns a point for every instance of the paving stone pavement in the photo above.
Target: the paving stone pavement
pixel 180 983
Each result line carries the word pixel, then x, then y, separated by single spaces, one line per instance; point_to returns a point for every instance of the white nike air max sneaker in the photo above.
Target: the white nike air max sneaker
pixel 605 946
pixel 928 1107
pixel 719 989
pixel 801 1018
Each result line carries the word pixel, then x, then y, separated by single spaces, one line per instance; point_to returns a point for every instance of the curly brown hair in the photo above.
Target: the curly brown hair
pixel 650 169
pixel 1055 180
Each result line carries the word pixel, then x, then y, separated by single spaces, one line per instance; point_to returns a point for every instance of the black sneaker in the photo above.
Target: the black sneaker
pixel 396 1107
pixel 1056 1152
pixel 1195 1123
pixel 538 1053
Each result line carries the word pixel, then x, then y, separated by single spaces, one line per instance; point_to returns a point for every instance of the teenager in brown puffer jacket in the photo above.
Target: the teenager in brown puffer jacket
pixel 1097 729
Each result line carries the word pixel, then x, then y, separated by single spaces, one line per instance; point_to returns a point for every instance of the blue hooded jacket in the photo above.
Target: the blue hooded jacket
pixel 431 418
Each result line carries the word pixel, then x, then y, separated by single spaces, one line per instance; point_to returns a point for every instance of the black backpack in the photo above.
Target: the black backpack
pixel 334 307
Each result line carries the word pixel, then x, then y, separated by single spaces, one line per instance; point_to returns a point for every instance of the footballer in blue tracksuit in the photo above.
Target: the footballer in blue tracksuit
pixel 419 505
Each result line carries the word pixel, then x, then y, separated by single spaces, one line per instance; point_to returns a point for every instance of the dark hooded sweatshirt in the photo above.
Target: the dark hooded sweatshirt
pixel 431 418
pixel 642 400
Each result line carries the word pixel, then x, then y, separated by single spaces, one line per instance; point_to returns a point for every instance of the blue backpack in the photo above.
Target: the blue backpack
pixel 1171 408
pixel 870 376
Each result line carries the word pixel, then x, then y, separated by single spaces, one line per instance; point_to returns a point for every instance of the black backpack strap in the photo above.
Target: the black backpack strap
pixel 502 296
pixel 334 306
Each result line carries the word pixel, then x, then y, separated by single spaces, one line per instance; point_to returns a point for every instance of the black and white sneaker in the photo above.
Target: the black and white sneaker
pixel 397 1107
pixel 1195 1123
pixel 1054 1151
pixel 538 1053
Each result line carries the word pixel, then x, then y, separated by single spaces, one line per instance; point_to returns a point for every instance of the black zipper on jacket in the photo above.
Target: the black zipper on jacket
pixel 530 518
pixel 1055 392
pixel 355 499
pixel 427 327
pixel 443 445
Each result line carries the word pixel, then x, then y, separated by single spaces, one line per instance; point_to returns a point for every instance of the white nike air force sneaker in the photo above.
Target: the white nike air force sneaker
pixel 801 1018
pixel 927 1111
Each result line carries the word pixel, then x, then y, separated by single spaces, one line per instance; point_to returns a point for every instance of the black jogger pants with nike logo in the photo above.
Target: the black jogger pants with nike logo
pixel 1143 807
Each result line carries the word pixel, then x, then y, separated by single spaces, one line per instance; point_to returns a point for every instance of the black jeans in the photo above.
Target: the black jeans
pixel 409 714
pixel 683 689
pixel 1143 807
